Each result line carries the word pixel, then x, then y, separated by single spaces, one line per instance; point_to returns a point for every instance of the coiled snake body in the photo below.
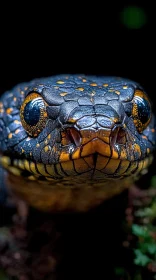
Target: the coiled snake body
pixel 69 142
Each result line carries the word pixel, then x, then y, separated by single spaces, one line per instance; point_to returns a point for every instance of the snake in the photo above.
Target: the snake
pixel 70 142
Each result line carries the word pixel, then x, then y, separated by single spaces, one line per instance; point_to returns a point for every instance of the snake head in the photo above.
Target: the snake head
pixel 78 129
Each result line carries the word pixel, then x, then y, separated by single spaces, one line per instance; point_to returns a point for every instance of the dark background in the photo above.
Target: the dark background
pixel 55 38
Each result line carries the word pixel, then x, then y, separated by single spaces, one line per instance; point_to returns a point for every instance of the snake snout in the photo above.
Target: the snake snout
pixel 88 128
pixel 95 134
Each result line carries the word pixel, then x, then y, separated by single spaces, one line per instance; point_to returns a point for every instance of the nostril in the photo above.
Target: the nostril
pixel 71 135
pixel 121 136
pixel 118 136
pixel 74 136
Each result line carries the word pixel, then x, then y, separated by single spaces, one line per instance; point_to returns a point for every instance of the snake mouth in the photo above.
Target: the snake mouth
pixel 91 153
pixel 100 154
pixel 93 166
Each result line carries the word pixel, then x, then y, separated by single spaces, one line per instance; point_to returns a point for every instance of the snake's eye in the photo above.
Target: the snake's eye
pixel 141 110
pixel 33 114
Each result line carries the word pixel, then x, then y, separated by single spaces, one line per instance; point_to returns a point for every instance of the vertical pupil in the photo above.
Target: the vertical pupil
pixel 32 111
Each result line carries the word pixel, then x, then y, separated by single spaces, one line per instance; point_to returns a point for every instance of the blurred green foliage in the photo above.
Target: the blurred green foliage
pixel 145 232
pixel 3 276
pixel 133 17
